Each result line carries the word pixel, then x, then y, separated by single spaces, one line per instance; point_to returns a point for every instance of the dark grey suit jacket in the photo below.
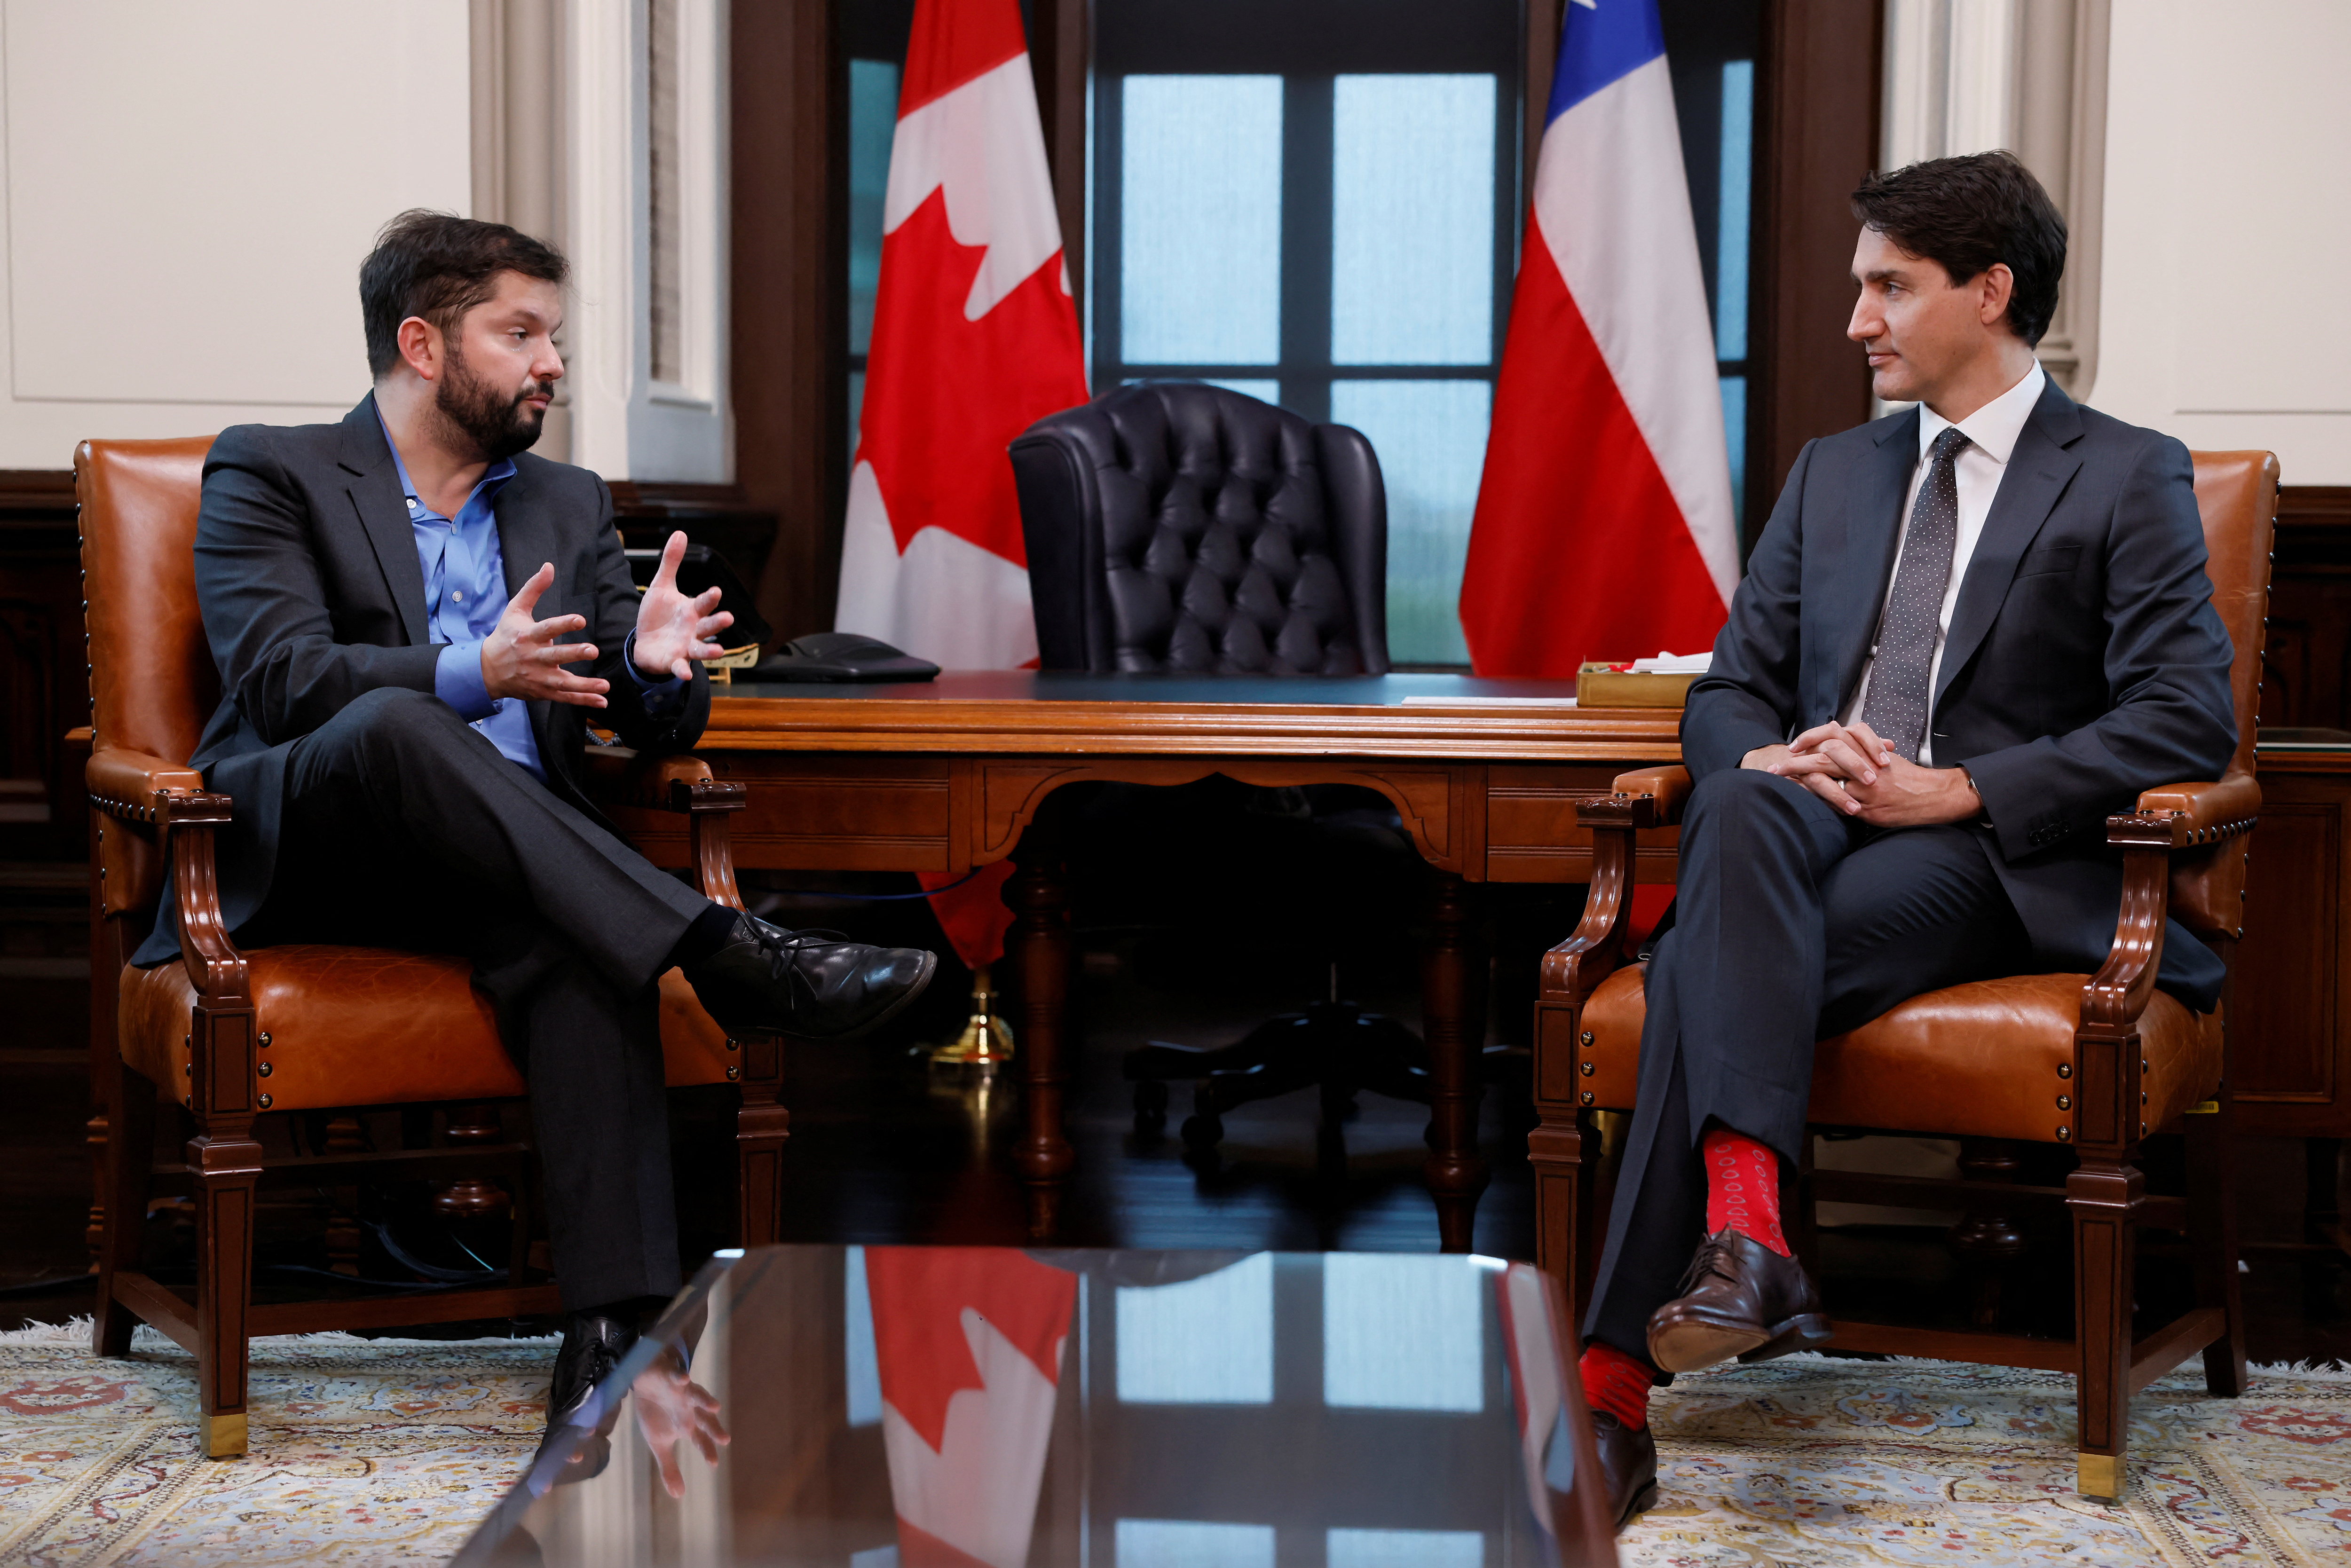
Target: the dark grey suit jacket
pixel 2085 661
pixel 308 577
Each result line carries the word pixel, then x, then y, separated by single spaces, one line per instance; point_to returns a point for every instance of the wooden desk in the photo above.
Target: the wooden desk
pixel 948 775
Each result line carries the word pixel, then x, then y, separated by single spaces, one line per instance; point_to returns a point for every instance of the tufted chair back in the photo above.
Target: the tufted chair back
pixel 1178 527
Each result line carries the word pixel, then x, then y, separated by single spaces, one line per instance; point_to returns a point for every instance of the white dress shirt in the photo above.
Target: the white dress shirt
pixel 1992 432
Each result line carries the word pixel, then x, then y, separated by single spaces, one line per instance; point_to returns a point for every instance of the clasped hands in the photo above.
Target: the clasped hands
pixel 524 657
pixel 1860 776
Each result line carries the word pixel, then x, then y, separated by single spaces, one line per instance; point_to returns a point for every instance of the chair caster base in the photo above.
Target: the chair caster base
pixel 1150 1105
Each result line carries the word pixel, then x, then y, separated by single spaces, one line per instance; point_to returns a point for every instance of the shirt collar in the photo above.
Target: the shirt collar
pixel 1995 427
pixel 492 478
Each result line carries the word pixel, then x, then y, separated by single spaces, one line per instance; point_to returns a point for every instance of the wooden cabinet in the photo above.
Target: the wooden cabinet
pixel 2292 1035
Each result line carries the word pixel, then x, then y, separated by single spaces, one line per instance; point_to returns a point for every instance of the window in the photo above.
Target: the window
pixel 1317 204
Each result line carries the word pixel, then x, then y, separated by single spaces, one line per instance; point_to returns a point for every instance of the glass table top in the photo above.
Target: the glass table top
pixel 865 1407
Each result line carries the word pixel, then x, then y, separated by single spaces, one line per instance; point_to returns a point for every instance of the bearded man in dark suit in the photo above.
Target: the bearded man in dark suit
pixel 1968 633
pixel 413 619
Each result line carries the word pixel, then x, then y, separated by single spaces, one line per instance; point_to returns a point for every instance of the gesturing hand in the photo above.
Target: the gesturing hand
pixel 673 630
pixel 522 658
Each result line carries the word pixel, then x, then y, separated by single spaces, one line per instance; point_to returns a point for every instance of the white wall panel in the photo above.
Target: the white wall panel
pixel 188 193
pixel 2225 218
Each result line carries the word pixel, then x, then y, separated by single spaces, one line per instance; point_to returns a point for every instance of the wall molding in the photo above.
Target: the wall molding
pixel 1969 76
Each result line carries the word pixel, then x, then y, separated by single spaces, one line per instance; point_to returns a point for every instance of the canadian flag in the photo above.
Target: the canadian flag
pixel 975 340
pixel 967 1342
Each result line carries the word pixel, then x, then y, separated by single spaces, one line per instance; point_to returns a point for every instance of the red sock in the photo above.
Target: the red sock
pixel 1617 1382
pixel 1742 1188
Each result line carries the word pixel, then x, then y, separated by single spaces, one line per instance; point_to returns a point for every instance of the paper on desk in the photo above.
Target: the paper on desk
pixel 1675 664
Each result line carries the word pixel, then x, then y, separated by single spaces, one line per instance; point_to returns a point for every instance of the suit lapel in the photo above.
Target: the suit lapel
pixel 1873 523
pixel 2038 471
pixel 383 513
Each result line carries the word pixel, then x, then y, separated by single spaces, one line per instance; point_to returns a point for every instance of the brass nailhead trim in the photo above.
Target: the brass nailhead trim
pixel 733 1073
pixel 2144 1067
pixel 265 1039
pixel 734 1045
pixel 264 1102
pixel 1587 1097
pixel 1589 1069
pixel 2064 1069
pixel 1587 1036
pixel 189 1101
pixel 2142 1096
pixel 187 1070
pixel 2064 1134
pixel 262 1070
pixel 2065 1101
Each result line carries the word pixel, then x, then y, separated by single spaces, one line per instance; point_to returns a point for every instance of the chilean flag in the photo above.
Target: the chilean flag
pixel 975 339
pixel 1603 526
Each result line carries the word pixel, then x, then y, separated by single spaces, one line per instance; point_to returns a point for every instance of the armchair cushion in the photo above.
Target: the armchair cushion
pixel 1973 1060
pixel 372 1026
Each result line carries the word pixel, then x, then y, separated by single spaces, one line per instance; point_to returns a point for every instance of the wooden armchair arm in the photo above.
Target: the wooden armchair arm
pixel 1650 797
pixel 2186 815
pixel 617 775
pixel 124 783
pixel 2172 817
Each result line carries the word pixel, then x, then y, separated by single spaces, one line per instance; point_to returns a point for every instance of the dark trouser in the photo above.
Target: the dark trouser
pixel 403 826
pixel 1792 924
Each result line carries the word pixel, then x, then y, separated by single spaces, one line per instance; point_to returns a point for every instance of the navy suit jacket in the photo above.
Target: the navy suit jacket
pixel 307 577
pixel 2083 664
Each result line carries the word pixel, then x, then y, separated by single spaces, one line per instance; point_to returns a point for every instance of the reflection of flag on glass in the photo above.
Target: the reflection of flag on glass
pixel 967 1340
pixel 1603 526
pixel 975 339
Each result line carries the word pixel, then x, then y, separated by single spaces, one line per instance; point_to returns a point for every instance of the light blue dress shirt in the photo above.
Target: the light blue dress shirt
pixel 464 594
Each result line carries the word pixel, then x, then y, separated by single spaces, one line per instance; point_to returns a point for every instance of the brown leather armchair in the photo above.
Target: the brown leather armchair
pixel 229 1036
pixel 2094 1061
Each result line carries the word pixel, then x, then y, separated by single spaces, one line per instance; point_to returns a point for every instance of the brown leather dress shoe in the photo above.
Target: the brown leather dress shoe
pixel 1628 1463
pixel 1740 1299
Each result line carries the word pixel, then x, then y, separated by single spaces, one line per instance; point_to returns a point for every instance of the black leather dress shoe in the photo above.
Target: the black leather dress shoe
pixel 812 984
pixel 594 1343
pixel 1628 1463
pixel 1740 1299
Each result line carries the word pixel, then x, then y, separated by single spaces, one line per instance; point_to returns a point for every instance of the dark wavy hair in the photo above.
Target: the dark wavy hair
pixel 439 265
pixel 1965 213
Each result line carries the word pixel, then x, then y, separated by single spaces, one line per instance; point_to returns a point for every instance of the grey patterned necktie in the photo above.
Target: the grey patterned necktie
pixel 1896 709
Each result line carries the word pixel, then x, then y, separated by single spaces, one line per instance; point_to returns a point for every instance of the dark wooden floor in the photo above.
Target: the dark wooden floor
pixel 886 1149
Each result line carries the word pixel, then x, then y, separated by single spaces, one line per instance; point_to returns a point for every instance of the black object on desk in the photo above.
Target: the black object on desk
pixel 840 657
pixel 1064 1408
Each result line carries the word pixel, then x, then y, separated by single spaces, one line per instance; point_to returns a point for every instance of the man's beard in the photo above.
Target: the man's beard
pixel 497 424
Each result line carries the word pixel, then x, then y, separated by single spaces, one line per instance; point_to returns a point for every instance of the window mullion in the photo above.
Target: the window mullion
pixel 1306 245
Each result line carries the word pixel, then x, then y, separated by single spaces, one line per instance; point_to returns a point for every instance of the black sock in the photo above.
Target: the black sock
pixel 709 932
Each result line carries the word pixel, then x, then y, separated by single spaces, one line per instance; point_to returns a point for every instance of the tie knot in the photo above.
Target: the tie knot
pixel 1946 445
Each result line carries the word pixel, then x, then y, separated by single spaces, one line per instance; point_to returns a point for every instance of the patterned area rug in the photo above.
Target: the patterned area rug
pixel 363 1452
pixel 387 1451
pixel 1811 1461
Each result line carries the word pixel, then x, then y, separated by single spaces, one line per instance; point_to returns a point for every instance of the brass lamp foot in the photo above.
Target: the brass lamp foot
pixel 986 1036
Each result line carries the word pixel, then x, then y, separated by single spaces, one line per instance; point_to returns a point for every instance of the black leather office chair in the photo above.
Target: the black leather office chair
pixel 1183 528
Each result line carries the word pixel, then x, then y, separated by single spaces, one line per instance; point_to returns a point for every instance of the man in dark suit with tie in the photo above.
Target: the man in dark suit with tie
pixel 1968 633
pixel 413 618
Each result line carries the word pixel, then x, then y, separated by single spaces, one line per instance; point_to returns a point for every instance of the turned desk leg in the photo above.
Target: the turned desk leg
pixel 1040 897
pixel 1453 1022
